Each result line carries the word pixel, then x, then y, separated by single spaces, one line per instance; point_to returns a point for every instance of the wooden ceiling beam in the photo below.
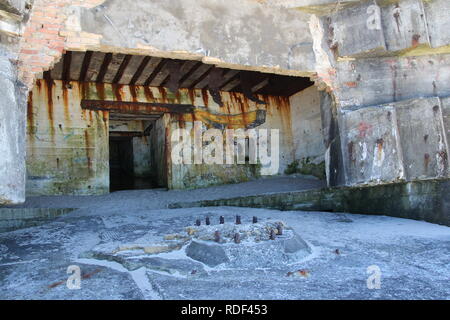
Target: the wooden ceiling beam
pixel 155 72
pixel 140 70
pixel 122 68
pixel 66 66
pixel 104 67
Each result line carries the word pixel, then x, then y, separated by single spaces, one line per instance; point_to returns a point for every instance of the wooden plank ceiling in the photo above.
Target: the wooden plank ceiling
pixel 170 73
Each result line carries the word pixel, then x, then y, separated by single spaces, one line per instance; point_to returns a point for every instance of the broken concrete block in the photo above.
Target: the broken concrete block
pixel 437 14
pixel 357 30
pixel 404 25
pixel 371 149
pixel 423 139
pixel 209 254
pixel 294 244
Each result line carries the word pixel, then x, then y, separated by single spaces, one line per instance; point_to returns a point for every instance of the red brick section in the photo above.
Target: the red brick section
pixel 43 43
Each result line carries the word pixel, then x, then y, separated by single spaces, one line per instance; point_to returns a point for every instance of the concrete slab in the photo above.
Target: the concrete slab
pixel 411 255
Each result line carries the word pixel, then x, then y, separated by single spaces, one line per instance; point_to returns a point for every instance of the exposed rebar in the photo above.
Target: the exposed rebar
pixel 217 236
pixel 272 234
pixel 279 229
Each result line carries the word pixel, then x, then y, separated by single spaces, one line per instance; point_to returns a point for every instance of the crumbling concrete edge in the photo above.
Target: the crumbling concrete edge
pixel 18 218
pixel 426 200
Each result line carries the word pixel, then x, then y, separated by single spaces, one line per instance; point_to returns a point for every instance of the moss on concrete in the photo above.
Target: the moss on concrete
pixel 307 167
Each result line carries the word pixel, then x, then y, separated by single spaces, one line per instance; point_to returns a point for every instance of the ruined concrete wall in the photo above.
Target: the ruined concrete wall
pixel 277 116
pixel 141 157
pixel 237 112
pixel 159 138
pixel 426 200
pixel 236 34
pixel 365 53
pixel 12 105
pixel 307 125
pixel 67 147
pixel 387 64
pixel 233 33
pixel 12 133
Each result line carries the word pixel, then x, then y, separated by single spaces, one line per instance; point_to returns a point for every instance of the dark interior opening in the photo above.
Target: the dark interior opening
pixel 121 168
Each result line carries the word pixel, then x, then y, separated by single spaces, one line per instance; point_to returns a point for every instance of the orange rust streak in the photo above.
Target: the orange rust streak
pixel 49 84
pixel 66 100
pixel 88 151
pixel 30 115
pixel 149 94
pixel 163 93
pixel 133 91
pixel 191 95
pixel 205 97
pixel 100 90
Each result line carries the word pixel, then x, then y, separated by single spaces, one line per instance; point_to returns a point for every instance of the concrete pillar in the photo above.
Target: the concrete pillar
pixel 12 133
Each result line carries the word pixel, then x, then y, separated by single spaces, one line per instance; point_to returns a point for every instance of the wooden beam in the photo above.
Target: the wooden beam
pixel 138 108
pixel 139 71
pixel 202 77
pixel 66 66
pixel 47 75
pixel 104 67
pixel 261 84
pixel 122 68
pixel 224 84
pixel 189 73
pixel 85 65
pixel 155 72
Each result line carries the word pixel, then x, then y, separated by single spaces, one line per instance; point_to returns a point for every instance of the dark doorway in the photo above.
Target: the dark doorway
pixel 121 167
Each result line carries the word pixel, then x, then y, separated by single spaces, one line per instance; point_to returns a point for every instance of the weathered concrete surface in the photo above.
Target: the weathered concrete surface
pixel 372 150
pixel 423 139
pixel 398 141
pixel 67 146
pixel 306 125
pixel 19 218
pixel 419 200
pixel 12 133
pixel 372 81
pixel 371 28
pixel 13 6
pixel 239 33
pixel 445 107
pixel 412 256
pixel 161 198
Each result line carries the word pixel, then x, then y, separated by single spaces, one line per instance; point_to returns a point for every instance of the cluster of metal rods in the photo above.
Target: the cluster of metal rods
pixel 237 238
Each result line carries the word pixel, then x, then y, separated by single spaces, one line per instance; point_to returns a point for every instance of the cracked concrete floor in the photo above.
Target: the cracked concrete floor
pixel 413 257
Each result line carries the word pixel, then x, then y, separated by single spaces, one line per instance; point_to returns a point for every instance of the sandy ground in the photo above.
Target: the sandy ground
pixel 412 256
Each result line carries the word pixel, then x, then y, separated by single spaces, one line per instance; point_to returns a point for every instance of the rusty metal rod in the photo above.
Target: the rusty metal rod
pixel 280 229
pixel 217 236
pixel 272 234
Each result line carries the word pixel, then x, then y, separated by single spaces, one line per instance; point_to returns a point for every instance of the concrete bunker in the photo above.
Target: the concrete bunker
pixel 100 122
